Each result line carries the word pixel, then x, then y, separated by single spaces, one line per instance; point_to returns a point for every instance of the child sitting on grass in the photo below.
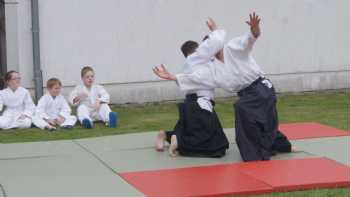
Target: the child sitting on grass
pixel 53 110
pixel 92 101
pixel 18 102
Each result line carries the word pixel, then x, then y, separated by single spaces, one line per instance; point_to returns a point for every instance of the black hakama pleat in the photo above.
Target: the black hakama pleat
pixel 199 132
pixel 257 134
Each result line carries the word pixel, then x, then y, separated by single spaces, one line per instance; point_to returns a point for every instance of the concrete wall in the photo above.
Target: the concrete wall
pixel 304 43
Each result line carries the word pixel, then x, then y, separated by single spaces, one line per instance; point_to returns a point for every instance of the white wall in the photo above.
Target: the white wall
pixel 19 39
pixel 11 34
pixel 304 43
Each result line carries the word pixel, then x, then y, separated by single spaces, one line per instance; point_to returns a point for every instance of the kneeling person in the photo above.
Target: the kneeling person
pixel 198 132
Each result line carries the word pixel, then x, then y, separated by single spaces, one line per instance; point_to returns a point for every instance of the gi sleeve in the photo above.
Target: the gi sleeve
pixel 198 80
pixel 242 43
pixel 103 95
pixel 73 95
pixel 40 109
pixel 208 48
pixel 66 110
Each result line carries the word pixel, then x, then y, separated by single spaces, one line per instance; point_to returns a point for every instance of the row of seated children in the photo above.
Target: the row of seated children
pixel 53 110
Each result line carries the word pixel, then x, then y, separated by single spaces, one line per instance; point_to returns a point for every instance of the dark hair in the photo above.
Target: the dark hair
pixel 53 81
pixel 6 78
pixel 86 69
pixel 189 47
pixel 8 75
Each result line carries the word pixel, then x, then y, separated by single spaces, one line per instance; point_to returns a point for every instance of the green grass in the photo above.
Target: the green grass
pixel 339 192
pixel 332 108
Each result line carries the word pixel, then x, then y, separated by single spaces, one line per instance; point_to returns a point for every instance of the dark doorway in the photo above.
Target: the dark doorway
pixel 3 61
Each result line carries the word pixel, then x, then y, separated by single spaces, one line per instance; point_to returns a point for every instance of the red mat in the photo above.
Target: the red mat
pixel 242 179
pixel 218 180
pixel 296 131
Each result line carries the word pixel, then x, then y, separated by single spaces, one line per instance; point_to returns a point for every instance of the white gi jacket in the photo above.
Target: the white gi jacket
pixel 196 77
pixel 17 103
pixel 50 108
pixel 97 92
pixel 237 72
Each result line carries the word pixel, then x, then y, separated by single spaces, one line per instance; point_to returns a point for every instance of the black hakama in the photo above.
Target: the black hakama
pixel 199 132
pixel 257 134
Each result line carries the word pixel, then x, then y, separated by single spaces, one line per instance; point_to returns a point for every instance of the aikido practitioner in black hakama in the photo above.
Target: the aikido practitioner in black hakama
pixel 257 134
pixel 198 132
pixel 256 123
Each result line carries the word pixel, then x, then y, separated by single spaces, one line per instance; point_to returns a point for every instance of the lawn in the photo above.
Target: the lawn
pixel 340 192
pixel 332 108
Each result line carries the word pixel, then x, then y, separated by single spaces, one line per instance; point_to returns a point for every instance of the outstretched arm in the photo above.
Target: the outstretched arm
pixel 197 80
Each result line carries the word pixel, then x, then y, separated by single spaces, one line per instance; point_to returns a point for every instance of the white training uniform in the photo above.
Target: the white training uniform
pixel 17 103
pixel 86 109
pixel 240 69
pixel 237 72
pixel 50 108
pixel 196 77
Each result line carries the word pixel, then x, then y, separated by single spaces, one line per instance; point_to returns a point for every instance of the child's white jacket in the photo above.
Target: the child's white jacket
pixel 97 92
pixel 17 102
pixel 50 108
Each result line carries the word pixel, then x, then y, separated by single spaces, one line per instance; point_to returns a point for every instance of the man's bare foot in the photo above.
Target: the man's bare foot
pixel 160 141
pixel 173 146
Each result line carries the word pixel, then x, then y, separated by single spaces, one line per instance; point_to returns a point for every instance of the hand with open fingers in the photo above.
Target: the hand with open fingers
pixel 163 73
pixel 254 21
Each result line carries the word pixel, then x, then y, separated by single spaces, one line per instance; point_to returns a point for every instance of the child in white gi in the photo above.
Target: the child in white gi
pixel 18 102
pixel 53 110
pixel 92 101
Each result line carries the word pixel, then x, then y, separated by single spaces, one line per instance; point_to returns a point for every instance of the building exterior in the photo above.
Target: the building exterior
pixel 304 46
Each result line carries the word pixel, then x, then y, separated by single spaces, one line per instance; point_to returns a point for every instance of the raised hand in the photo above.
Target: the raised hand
pixel 254 22
pixel 163 73
pixel 211 24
